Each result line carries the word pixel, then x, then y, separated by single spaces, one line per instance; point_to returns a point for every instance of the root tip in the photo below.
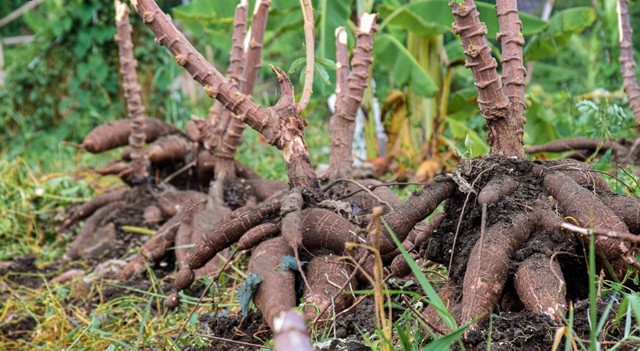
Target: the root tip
pixel 185 278
pixel 173 300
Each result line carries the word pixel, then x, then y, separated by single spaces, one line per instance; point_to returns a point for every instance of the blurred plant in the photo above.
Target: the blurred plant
pixel 66 80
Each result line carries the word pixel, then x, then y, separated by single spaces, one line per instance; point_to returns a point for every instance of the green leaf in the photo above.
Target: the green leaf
pixel 561 27
pixel 333 14
pixel 429 17
pixel 540 127
pixel 296 64
pixel 403 67
pixel 326 63
pixel 323 74
pixel 461 131
pixel 444 342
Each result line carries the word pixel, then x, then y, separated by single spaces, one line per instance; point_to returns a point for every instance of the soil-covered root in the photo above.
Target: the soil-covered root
pixel 93 234
pixel 88 208
pixel 627 208
pixel 541 286
pixel 433 317
pixel 276 292
pixel 404 217
pixel 153 249
pixel 488 266
pixel 115 134
pixel 590 212
pixel 327 275
pixel 220 236
pixel 497 189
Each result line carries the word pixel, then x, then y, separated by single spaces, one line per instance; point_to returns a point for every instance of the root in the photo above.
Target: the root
pixel 276 292
pixel 115 134
pixel 541 287
pixel 402 219
pixel 578 144
pixel 323 229
pixel 257 234
pixel 627 208
pixel 89 236
pixel 433 317
pixel 88 208
pixel 153 250
pixel 327 275
pixel 589 211
pixel 488 266
pixel 170 149
pixel 497 189
pixel 226 232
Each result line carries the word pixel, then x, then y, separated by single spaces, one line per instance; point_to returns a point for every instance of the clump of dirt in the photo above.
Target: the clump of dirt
pixel 16 327
pixel 236 331
pixel 522 330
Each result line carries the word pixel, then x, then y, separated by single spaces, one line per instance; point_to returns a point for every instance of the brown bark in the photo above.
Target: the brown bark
pixel 219 118
pixel 579 144
pixel 128 65
pixel 281 125
pixel 342 124
pixel 627 60
pixel 513 71
pixel 247 76
pixel 504 132
pixel 342 63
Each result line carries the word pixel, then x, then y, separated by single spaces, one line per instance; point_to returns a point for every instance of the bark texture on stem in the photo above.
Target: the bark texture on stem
pixel 251 62
pixel 503 132
pixel 513 71
pixel 627 61
pixel 342 63
pixel 220 118
pixel 128 64
pixel 280 125
pixel 342 124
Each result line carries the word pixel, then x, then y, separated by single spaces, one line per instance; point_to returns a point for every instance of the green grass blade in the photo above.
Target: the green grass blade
pixel 446 341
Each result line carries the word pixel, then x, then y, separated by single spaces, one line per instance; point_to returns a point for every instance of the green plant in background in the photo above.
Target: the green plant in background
pixel 66 81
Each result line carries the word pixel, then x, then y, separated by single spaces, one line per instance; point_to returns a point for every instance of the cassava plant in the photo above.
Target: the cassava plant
pixel 502 240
